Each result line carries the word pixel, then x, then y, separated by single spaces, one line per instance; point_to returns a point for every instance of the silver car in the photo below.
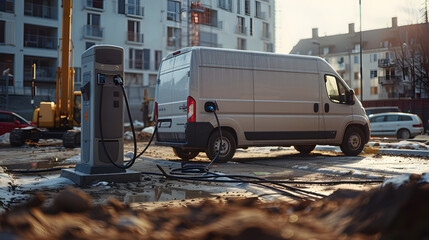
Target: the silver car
pixel 401 125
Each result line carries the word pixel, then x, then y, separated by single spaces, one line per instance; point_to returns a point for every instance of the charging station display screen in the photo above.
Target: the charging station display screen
pixel 108 56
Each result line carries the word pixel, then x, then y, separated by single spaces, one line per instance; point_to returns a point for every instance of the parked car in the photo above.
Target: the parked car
pixel 375 110
pixel 401 125
pixel 10 121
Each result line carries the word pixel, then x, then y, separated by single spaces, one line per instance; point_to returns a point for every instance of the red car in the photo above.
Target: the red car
pixel 10 121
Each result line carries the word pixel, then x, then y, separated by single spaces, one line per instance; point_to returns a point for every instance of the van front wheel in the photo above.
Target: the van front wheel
pixel 227 148
pixel 353 142
pixel 185 154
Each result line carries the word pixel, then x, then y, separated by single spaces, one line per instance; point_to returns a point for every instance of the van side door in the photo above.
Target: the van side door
pixel 336 112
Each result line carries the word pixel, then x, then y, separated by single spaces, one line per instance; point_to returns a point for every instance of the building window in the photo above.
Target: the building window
pixel 133 34
pixel 268 47
pixel 89 44
pixel 373 73
pixel 173 11
pixel 94 4
pixel 265 30
pixel 93 28
pixel 7 6
pixel 238 6
pixel 251 27
pixel 241 25
pixel 208 39
pixel 247 7
pixel 158 59
pixel 208 17
pixel 357 75
pixel 373 57
pixel 357 48
pixel 173 37
pixel 241 43
pixel 258 10
pixel 130 7
pixel 2 32
pixel 374 90
pixel 139 59
pixel 325 50
pixel 356 59
pixel 225 4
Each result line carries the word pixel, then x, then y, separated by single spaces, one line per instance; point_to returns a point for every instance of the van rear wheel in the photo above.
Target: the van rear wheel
pixel 227 148
pixel 304 149
pixel 353 141
pixel 185 154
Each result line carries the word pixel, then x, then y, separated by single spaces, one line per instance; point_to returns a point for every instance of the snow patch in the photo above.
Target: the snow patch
pixel 300 167
pixel 135 123
pixel 4 139
pixel 424 178
pixel 397 181
pixel 129 155
pixel 74 159
pixel 149 130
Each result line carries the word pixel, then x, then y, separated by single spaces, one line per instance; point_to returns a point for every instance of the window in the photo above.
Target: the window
pixel 136 58
pixel 258 10
pixel 377 119
pixel 158 59
pixel 238 6
pixel 251 27
pixel 265 30
pixel 7 6
pixel 357 76
pixel 95 4
pixel 405 118
pixel 93 19
pixel 241 25
pixel 374 90
pixel 373 73
pixel 93 28
pixel 340 60
pixel 357 48
pixel 89 44
pixel 208 39
pixel 173 37
pixel 247 7
pixel 241 43
pixel 2 32
pixel 225 4
pixel 146 59
pixel 121 6
pixel 173 11
pixel 325 50
pixel 392 118
pixel 356 59
pixel 373 57
pixel 133 33
pixel 208 17
pixel 335 89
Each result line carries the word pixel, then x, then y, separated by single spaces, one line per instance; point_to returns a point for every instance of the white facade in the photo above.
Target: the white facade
pixel 147 30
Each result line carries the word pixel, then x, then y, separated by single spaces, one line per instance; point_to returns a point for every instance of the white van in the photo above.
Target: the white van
pixel 264 99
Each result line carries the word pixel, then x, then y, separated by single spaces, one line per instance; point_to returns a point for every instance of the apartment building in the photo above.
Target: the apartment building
pixel 385 72
pixel 148 30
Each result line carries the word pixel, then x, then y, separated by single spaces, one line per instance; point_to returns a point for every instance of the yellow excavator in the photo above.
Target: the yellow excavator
pixel 57 120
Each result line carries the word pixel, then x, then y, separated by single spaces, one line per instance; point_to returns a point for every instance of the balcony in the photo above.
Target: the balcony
pixel 135 38
pixel 40 41
pixel 216 24
pixel 93 32
pixel 387 62
pixel 41 11
pixel 241 30
pixel 133 10
pixel 261 15
pixel 388 80
pixel 96 5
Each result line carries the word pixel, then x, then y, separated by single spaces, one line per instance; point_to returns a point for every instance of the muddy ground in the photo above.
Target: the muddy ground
pixel 159 208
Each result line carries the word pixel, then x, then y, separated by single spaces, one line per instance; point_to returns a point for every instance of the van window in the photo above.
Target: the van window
pixel 392 118
pixel 377 119
pixel 405 118
pixel 335 89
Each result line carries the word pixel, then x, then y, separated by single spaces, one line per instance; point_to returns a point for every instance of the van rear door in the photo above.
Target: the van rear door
pixel 171 97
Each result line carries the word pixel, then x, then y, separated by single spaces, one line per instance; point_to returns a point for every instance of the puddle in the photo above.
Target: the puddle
pixel 35 165
pixel 164 194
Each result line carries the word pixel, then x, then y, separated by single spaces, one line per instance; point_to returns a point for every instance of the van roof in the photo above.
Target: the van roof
pixel 200 48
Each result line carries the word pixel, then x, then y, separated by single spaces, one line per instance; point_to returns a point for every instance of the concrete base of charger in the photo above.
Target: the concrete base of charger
pixel 84 179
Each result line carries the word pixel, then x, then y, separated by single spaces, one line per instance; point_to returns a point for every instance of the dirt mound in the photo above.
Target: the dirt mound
pixel 383 213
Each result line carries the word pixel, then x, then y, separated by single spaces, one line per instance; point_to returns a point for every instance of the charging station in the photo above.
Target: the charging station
pixel 102 120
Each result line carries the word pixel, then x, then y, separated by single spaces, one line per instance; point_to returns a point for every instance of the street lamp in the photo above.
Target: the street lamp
pixel 360 48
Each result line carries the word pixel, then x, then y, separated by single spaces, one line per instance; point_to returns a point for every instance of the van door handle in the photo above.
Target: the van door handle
pixel 326 107
pixel 316 107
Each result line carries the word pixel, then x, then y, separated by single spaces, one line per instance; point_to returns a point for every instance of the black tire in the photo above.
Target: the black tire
pixel 228 146
pixel 16 137
pixel 71 139
pixel 304 149
pixel 353 141
pixel 185 154
pixel 403 134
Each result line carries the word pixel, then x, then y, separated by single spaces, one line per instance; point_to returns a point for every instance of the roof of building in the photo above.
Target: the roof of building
pixel 345 43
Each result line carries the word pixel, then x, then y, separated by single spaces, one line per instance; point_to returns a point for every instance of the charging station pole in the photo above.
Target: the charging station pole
pixel 102 119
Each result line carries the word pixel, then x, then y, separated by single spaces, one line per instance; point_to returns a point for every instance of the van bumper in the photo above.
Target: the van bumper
pixel 196 136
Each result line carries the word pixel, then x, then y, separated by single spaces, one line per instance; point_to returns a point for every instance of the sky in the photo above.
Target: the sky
pixel 295 19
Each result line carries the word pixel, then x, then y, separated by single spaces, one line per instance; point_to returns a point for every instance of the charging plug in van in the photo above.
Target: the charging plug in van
pixel 263 99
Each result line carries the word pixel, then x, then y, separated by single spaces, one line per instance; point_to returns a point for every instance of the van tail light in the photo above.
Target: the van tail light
pixel 156 112
pixel 191 110
pixel 418 125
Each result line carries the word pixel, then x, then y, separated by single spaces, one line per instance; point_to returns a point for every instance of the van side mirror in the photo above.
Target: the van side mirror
pixel 350 97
